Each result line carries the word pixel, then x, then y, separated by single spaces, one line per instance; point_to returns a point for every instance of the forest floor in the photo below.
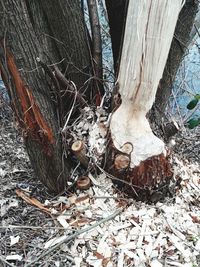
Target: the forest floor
pixel 124 232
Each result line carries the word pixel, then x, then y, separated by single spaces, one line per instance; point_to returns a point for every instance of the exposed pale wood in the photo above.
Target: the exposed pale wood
pixel 127 148
pixel 149 31
pixel 122 162
pixel 79 150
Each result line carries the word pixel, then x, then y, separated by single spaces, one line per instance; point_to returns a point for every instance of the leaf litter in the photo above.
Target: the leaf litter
pixel 99 226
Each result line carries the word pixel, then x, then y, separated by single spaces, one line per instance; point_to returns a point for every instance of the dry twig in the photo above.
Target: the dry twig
pixel 96 38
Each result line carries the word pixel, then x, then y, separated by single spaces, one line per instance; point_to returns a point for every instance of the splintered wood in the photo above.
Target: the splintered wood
pixel 148 35
pixel 138 156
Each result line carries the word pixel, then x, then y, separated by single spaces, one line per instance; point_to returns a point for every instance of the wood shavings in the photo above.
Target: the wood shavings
pixel 14 257
pixel 162 234
pixel 14 240
pixel 62 220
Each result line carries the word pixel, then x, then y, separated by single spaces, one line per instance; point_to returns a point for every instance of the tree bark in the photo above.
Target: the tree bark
pixel 31 35
pixel 59 25
pixel 179 46
pixel 117 11
pixel 96 49
pixel 96 38
pixel 44 61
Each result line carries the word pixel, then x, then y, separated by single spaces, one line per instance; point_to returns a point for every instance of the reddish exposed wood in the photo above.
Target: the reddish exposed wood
pixel 83 183
pixel 32 119
pixel 142 181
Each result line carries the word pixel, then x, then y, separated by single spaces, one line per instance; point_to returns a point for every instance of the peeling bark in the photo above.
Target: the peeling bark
pixel 32 122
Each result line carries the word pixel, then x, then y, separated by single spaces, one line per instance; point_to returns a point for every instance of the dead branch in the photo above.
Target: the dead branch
pixel 66 83
pixel 96 38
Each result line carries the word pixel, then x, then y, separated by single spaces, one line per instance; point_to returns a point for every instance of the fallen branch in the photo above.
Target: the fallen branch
pixel 73 236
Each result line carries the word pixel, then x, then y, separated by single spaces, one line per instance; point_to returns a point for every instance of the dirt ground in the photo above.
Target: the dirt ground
pixel 161 234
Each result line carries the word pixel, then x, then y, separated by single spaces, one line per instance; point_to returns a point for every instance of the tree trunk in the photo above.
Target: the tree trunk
pixel 138 155
pixel 34 34
pixel 181 40
pixel 45 65
pixel 117 10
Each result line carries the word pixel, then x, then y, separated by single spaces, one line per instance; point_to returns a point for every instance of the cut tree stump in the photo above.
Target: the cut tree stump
pixel 79 150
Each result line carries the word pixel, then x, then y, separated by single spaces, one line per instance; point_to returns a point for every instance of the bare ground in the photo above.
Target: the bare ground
pixel 162 234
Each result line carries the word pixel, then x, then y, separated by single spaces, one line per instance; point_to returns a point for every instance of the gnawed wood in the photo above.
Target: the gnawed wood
pixel 32 120
pixel 26 38
pixel 148 35
pixel 142 181
pixel 127 148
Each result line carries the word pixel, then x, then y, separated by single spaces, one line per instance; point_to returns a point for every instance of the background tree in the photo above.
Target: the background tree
pixel 48 66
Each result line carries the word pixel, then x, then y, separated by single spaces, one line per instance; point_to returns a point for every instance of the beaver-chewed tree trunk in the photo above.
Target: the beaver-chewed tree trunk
pixel 139 157
pixel 40 40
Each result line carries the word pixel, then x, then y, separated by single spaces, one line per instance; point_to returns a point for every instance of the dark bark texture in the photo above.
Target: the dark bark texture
pixel 52 31
pixel 96 49
pixel 96 37
pixel 117 10
pixel 181 40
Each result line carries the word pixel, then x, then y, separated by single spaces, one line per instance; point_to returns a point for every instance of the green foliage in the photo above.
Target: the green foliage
pixel 192 104
pixel 194 122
